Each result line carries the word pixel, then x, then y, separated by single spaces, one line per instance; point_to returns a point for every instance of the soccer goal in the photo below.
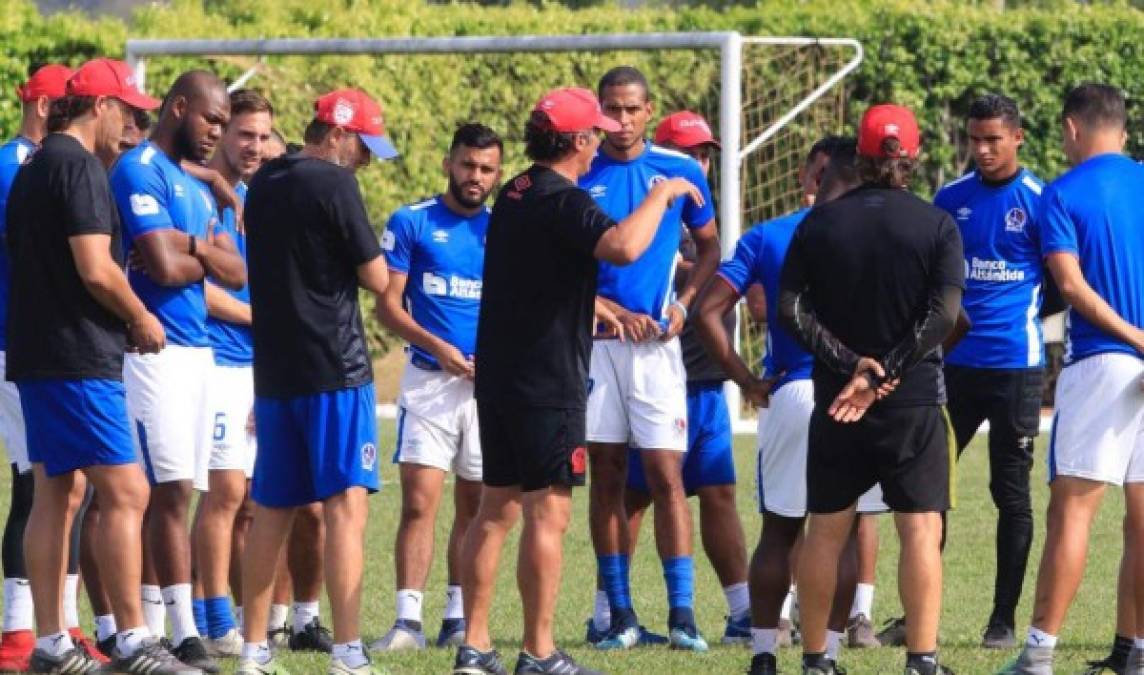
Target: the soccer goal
pixel 768 97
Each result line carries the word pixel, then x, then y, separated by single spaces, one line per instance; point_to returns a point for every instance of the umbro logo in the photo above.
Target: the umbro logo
pixel 441 236
pixel 597 191
pixel 964 212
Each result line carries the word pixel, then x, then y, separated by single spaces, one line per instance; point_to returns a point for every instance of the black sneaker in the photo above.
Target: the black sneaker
pixel 557 663
pixel 313 638
pixel 893 633
pixel 999 635
pixel 107 645
pixel 472 661
pixel 74 661
pixel 193 653
pixel 151 659
pixel 818 666
pixel 764 664
pixel 1113 663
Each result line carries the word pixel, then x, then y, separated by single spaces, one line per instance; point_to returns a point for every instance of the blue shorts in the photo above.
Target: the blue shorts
pixel 313 447
pixel 709 459
pixel 74 424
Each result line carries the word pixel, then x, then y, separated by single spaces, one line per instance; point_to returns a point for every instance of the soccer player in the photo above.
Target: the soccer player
pixel 310 246
pixel 73 314
pixel 871 285
pixel 1092 234
pixel 533 343
pixel 439 243
pixel 637 387
pixel 169 221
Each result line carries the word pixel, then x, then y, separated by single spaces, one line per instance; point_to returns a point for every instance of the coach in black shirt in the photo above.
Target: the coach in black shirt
pixel 871 286
pixel 534 339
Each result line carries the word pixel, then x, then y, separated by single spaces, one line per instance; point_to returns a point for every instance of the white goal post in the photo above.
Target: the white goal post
pixel 731 113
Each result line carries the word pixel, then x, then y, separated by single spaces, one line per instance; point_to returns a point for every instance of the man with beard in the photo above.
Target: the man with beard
pixel 440 244
pixel 169 220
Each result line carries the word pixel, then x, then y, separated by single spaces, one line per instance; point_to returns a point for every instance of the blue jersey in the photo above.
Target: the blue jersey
pixel 153 193
pixel 1003 270
pixel 758 259
pixel 233 343
pixel 442 255
pixel 1094 213
pixel 13 154
pixel 646 286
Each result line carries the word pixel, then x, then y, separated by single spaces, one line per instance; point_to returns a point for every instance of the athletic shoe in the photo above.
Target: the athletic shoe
pixel 1135 661
pixel 860 633
pixel 893 633
pixel 106 645
pixel 226 646
pixel 153 658
pixel 621 638
pixel 472 661
pixel 338 667
pixel 557 663
pixel 401 636
pixel 650 639
pixel 764 664
pixel 79 639
pixel 822 666
pixel 313 638
pixel 74 661
pixel 252 667
pixel 999 636
pixel 15 649
pixel 279 638
pixel 193 652
pixel 737 631
pixel 931 669
pixel 1113 662
pixel 1031 661
pixel 787 633
pixel 452 633
pixel 687 638
pixel 591 635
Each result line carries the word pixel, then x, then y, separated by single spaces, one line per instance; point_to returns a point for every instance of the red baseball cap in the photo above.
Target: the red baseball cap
pixel 108 77
pixel 888 121
pixel 685 129
pixel 50 80
pixel 574 109
pixel 353 110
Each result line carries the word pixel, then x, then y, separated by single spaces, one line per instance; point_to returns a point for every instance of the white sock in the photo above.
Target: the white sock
pixel 18 609
pixel 788 604
pixel 1039 638
pixel 259 652
pixel 71 610
pixel 129 641
pixel 863 601
pixel 238 619
pixel 1138 643
pixel 278 616
pixel 454 603
pixel 56 644
pixel 764 640
pixel 833 644
pixel 409 604
pixel 304 613
pixel 154 613
pixel 738 599
pixel 105 627
pixel 181 611
pixel 602 613
pixel 351 654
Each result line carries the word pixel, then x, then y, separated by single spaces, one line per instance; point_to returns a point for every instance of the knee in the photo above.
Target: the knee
pixel 309 518
pixel 920 530
pixel 224 497
pixel 417 506
pixel 552 513
pixel 665 481
pixel 131 494
pixel 171 500
pixel 718 500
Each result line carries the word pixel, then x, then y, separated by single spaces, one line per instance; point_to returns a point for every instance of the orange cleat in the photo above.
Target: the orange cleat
pixel 87 645
pixel 15 649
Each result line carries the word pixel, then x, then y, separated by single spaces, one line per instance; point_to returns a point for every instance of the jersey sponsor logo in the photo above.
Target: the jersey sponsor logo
pixel 368 456
pixel 979 269
pixel 144 205
pixel 1015 220
pixel 440 236
pixel 964 213
pixel 658 178
pixel 453 286
pixel 388 241
pixel 597 191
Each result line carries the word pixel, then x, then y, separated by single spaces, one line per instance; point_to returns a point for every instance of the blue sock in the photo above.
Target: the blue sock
pixel 199 608
pixel 614 578
pixel 679 574
pixel 219 617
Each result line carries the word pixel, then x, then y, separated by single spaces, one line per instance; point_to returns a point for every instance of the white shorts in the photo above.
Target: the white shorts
pixel 1098 425
pixel 167 399
pixel 231 392
pixel 637 394
pixel 437 423
pixel 12 420
pixel 784 430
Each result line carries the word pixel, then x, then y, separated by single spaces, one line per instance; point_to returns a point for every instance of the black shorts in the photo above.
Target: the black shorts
pixel 1009 399
pixel 905 449
pixel 531 447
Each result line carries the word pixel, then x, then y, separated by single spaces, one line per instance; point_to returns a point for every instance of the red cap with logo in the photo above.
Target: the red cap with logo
pixel 574 109
pixel 108 77
pixel 50 80
pixel 888 121
pixel 685 129
pixel 353 110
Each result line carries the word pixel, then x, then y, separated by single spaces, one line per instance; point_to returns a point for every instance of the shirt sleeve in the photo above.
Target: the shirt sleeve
pixel 87 201
pixel 739 271
pixel 949 256
pixel 347 211
pixel 397 241
pixel 1057 229
pixel 695 216
pixel 141 195
pixel 581 222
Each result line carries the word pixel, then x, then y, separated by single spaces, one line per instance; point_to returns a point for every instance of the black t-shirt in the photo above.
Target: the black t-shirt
pixel 56 328
pixel 696 359
pixel 306 234
pixel 870 261
pixel 534 336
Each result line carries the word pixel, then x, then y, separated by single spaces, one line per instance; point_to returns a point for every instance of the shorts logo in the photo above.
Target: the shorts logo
pixel 579 460
pixel 368 456
pixel 680 426
pixel 1015 220
pixel 144 205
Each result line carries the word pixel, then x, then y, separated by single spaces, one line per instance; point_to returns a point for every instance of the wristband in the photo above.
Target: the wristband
pixel 192 246
pixel 681 307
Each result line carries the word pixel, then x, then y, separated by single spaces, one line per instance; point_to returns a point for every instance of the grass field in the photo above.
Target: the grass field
pixel 967 596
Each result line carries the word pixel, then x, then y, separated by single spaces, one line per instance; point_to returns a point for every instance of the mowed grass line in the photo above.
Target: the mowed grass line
pixel 967 598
